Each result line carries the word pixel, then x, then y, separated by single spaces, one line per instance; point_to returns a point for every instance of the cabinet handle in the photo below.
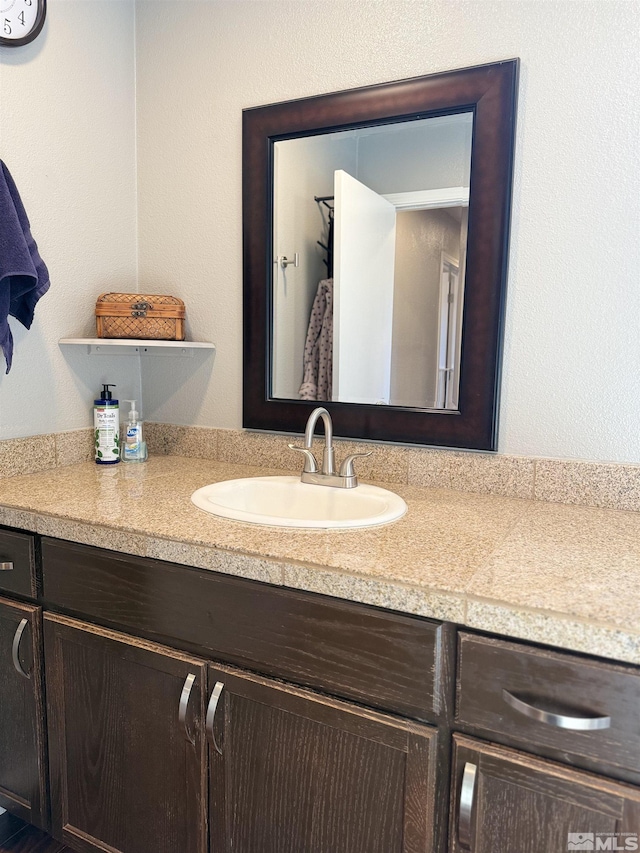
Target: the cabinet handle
pixel 211 714
pixel 467 792
pixel 184 704
pixel 6 566
pixel 15 649
pixel 560 721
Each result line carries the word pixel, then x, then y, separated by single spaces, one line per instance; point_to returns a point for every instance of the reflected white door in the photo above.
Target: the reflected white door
pixel 363 270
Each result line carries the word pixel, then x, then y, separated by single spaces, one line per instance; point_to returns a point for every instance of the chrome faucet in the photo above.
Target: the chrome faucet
pixel 327 476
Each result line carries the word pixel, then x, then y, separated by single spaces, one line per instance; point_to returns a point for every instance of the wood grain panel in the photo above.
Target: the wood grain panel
pixel 554 681
pixel 526 804
pixel 387 660
pixel 23 770
pixel 124 776
pixel 19 549
pixel 302 772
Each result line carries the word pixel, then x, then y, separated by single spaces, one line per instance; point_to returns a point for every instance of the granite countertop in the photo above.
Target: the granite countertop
pixel 562 575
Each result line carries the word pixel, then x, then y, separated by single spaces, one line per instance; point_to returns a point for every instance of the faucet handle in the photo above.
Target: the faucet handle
pixel 310 464
pixel 347 469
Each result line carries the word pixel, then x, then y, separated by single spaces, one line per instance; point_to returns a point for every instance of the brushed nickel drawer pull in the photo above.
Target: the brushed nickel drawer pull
pixel 560 721
pixel 6 566
pixel 467 792
pixel 15 649
pixel 184 705
pixel 211 714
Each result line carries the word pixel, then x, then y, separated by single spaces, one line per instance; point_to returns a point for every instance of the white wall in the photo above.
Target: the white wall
pixel 571 384
pixel 67 119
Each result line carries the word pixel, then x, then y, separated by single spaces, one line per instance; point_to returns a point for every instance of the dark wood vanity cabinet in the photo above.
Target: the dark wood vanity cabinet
pixel 506 801
pixel 389 661
pixel 18 575
pixel 292 771
pixel 23 774
pixel 321 725
pixel 287 770
pixel 126 742
pixel 22 721
pixel 562 706
pixel 194 712
pixel 577 711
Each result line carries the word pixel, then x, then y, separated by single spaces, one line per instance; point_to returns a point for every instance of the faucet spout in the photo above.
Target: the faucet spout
pixel 346 477
pixel 328 456
pixel 311 427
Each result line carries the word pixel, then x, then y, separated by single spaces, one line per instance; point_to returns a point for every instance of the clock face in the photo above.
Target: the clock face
pixel 20 21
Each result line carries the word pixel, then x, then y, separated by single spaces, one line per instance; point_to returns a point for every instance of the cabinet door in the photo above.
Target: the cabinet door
pixel 296 772
pixel 505 801
pixel 126 741
pixel 22 731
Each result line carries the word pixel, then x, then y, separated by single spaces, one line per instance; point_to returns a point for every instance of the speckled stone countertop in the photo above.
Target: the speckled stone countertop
pixel 551 573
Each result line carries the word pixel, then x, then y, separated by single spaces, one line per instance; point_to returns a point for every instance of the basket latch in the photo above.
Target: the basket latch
pixel 139 309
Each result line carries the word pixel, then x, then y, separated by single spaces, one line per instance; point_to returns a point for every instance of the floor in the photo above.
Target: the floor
pixel 19 837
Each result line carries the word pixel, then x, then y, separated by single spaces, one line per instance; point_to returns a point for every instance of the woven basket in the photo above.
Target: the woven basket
pixel 140 315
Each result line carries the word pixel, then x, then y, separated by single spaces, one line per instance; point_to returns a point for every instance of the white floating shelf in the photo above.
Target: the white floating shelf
pixel 134 346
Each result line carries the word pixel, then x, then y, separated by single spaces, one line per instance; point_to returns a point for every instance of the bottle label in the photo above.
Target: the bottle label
pixel 107 438
pixel 132 442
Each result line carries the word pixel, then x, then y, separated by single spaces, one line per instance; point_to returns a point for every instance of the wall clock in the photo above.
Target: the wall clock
pixel 21 21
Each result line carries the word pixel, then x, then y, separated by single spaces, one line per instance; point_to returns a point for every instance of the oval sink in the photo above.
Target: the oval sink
pixel 286 502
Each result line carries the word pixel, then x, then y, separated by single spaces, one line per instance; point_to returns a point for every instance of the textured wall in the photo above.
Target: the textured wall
pixel 571 381
pixel 67 120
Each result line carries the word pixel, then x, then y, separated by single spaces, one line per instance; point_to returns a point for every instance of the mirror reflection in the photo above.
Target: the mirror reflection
pixel 369 251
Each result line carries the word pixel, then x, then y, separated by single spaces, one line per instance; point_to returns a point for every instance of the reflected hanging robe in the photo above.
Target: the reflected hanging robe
pixel 318 349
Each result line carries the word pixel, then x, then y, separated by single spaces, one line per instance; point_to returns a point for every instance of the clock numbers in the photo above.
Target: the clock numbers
pixel 21 21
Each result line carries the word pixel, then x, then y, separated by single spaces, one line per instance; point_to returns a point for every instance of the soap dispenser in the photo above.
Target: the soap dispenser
pixel 106 428
pixel 134 449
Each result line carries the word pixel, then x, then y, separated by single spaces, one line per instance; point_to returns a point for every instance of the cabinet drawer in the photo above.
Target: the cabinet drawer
pixel 386 660
pixel 555 704
pixel 17 563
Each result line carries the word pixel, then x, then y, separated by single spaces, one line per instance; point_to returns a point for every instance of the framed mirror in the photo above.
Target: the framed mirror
pixel 375 233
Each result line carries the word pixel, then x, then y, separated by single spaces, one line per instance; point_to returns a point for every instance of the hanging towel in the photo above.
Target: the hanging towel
pixel 318 349
pixel 24 278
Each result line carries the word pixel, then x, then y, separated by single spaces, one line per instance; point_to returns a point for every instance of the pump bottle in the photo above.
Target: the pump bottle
pixel 134 449
pixel 106 428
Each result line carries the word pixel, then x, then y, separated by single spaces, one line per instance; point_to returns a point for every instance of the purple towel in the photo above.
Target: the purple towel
pixel 24 278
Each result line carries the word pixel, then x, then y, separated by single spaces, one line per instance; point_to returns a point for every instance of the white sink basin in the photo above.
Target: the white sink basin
pixel 286 502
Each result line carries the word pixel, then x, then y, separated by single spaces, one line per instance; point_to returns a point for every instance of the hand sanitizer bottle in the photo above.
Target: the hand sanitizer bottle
pixel 134 449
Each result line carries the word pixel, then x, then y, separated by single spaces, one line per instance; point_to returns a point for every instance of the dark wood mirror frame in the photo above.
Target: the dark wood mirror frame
pixel 489 91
